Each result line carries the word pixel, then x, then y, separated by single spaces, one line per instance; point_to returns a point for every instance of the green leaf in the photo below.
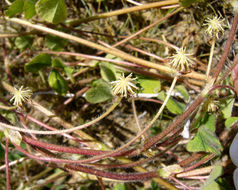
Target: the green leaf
pixel 230 121
pixel 38 63
pixel 69 72
pixel 57 63
pixel 15 8
pixel 23 42
pixel 108 71
pixel 210 182
pixel 53 11
pixel 57 82
pixel 227 106
pixel 119 186
pixel 150 86
pixel 172 105
pixel 183 91
pixel 206 140
pixel 29 8
pixel 55 43
pixel 99 92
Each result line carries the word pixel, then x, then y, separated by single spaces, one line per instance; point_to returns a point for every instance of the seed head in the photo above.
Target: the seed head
pixel 20 96
pixel 181 61
pixel 214 26
pixel 124 86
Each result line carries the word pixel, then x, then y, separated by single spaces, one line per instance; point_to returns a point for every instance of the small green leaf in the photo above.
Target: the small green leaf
pixel 57 82
pixel 230 121
pixel 23 42
pixel 206 140
pixel 29 8
pixel 69 72
pixel 119 186
pixel 183 91
pixel 150 86
pixel 172 105
pixel 227 106
pixel 210 182
pixel 57 63
pixel 108 71
pixel 15 8
pixel 53 11
pixel 99 92
pixel 55 43
pixel 38 63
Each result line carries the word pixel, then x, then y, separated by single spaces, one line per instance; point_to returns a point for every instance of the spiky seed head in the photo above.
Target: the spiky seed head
pixel 20 96
pixel 214 26
pixel 181 60
pixel 124 86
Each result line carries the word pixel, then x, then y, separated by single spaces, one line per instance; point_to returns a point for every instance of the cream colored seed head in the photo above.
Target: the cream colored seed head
pixel 181 61
pixel 214 26
pixel 20 96
pixel 124 86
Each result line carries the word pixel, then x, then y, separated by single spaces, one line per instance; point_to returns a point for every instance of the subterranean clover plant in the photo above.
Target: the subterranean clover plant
pixel 182 145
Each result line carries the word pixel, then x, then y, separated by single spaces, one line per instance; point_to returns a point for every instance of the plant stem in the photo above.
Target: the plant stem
pixel 123 11
pixel 7 165
pixel 227 47
pixel 210 57
pixel 112 51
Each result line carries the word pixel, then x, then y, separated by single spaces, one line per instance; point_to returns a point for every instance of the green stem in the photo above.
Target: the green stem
pixel 210 57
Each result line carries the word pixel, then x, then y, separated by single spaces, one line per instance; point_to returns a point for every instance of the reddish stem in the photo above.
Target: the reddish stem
pixel 7 165
pixel 71 150
pixel 110 175
pixel 173 125
pixel 227 47
pixel 202 161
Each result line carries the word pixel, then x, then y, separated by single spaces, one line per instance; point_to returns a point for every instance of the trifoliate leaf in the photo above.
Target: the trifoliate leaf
pixel 206 140
pixel 15 8
pixel 57 82
pixel 108 71
pixel 29 8
pixel 23 42
pixel 99 92
pixel 172 105
pixel 55 43
pixel 53 11
pixel 149 86
pixel 38 63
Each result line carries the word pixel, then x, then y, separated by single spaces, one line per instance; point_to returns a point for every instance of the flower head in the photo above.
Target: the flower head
pixel 124 86
pixel 181 61
pixel 20 96
pixel 214 26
